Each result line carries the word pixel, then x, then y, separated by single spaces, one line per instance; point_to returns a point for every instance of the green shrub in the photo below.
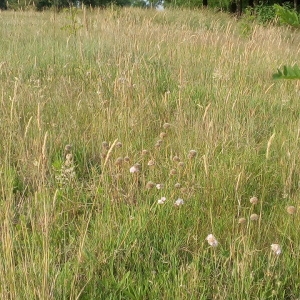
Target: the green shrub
pixel 265 13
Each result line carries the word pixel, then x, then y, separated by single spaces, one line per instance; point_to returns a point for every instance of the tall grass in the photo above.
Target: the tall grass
pixel 85 96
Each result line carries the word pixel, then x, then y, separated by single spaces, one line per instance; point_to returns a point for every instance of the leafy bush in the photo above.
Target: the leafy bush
pixel 265 13
pixel 288 73
pixel 287 16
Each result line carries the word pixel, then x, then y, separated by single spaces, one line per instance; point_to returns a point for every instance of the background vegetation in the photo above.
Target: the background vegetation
pixel 88 98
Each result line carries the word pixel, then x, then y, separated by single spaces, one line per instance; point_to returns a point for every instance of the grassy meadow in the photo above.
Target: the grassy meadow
pixel 109 118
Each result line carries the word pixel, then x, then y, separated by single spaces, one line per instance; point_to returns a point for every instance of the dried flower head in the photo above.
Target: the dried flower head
pixel 173 172
pixel 179 202
pixel 242 220
pixel 177 185
pixel 135 168
pixel 119 145
pixel 253 200
pixel 184 190
pixel 162 135
pixel 166 125
pixel 254 217
pixel 162 200
pixel 145 152
pixel 159 186
pixel 192 154
pixel 68 149
pixel 118 176
pixel 157 145
pixel 126 159
pixel 176 158
pixel 181 164
pixel 291 210
pixel 276 249
pixel 105 145
pixel 212 241
pixel 151 162
pixel 150 185
pixel 119 161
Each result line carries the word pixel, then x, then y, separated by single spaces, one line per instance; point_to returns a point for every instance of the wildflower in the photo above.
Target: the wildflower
pixel 126 159
pixel 145 152
pixel 166 125
pixel 173 172
pixel 253 200
pixel 176 158
pixel 135 168
pixel 242 220
pixel 68 149
pixel 177 185
pixel 150 185
pixel 192 154
pixel 162 135
pixel 105 145
pixel 159 142
pixel 119 145
pixel 159 186
pixel 181 164
pixel 254 217
pixel 151 163
pixel 276 249
pixel 212 240
pixel 291 210
pixel 162 200
pixel 179 202
pixel 119 161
